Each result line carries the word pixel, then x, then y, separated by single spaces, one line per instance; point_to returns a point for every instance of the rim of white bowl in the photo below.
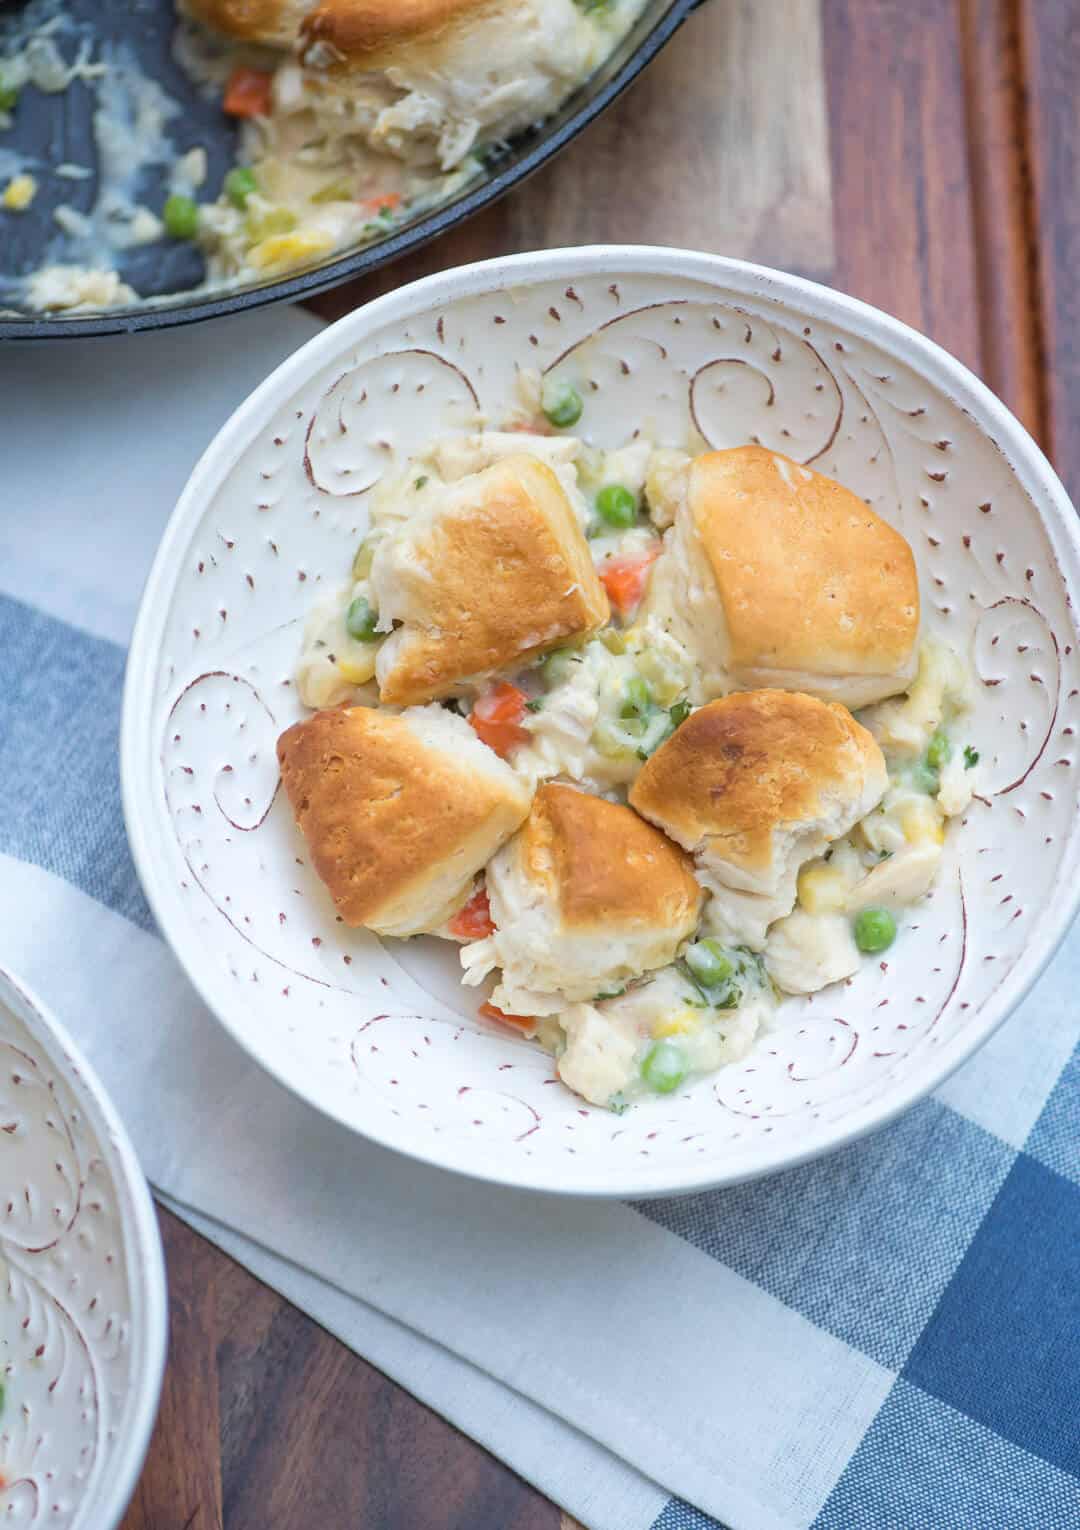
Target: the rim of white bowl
pixel 1024 457
pixel 144 1255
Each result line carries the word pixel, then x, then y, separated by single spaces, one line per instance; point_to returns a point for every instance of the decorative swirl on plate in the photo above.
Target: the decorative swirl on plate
pixel 222 785
pixel 52 1427
pixel 730 394
pixel 1025 693
pixel 243 784
pixel 712 369
pixel 380 412
pixel 33 1215
pixel 461 1088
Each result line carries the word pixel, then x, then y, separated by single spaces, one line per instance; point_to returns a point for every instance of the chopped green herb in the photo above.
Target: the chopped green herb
pixel 616 993
pixel 421 481
pixel 883 855
pixel 617 1104
pixel 534 706
pixel 9 94
pixel 971 757
pixel 679 713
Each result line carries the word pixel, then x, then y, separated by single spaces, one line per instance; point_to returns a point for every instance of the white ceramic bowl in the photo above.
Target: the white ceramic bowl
pixel 82 1285
pixel 382 1037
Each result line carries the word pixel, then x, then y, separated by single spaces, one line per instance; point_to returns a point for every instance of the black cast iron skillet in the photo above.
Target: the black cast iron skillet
pixel 55 126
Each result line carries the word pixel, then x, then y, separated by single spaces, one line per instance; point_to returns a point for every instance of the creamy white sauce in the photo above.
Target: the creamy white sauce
pixel 578 731
pixel 340 159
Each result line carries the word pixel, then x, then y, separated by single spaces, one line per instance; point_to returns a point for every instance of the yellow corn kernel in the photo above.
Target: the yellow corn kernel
pixel 357 671
pixel 19 193
pixel 683 1024
pixel 823 889
pixel 290 249
pixel 922 823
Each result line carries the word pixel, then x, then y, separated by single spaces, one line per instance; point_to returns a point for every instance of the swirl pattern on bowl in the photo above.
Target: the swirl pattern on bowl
pixel 81 1344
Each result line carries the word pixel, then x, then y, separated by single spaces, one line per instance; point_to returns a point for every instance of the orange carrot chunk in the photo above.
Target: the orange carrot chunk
pixel 497 718
pixel 625 579
pixel 474 921
pixel 247 93
pixel 519 1022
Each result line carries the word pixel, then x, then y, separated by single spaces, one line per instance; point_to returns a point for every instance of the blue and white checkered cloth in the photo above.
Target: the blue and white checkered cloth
pixel 888 1337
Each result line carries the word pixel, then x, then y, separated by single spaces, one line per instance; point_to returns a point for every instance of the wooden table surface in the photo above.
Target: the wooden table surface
pixel 921 154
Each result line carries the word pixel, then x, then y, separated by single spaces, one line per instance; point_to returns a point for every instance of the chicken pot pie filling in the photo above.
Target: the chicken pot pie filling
pixel 341 139
pixel 846 843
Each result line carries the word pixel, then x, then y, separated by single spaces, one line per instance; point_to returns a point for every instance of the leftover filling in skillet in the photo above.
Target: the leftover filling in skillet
pixel 354 116
pixel 654 737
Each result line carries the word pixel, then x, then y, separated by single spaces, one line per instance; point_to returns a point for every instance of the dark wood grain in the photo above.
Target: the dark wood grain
pixel 1005 218
pixel 266 1421
pixel 901 190
pixel 1050 42
pixel 922 154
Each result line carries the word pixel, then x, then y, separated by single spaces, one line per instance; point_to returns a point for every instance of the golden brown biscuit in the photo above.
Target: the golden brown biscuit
pixel 586 897
pixel 753 786
pixel 604 867
pixel 777 576
pixel 274 22
pixel 493 573
pixel 399 812
pixel 357 32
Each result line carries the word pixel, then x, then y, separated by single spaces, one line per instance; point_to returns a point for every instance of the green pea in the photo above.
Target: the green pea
pixel 561 403
pixel 239 184
pixel 709 963
pixel 616 505
pixel 663 1067
pixel 360 620
pixel 875 930
pixel 637 697
pixel 559 666
pixel 181 217
pixel 939 750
